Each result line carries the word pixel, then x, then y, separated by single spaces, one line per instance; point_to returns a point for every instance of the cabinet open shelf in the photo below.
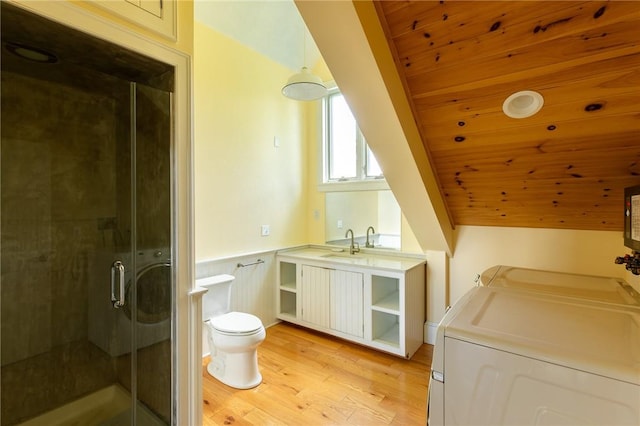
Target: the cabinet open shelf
pixel 391 337
pixel 288 286
pixel 385 294
pixel 287 274
pixel 390 304
pixel 287 302
pixel 386 328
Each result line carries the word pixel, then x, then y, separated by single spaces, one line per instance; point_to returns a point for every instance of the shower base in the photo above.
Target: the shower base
pixel 109 406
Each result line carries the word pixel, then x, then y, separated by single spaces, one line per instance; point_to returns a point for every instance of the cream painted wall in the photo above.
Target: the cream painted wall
pixel 389 219
pixel 241 180
pixel 581 252
pixel 409 242
pixel 479 248
pixel 316 212
pixel 356 209
pixel 316 199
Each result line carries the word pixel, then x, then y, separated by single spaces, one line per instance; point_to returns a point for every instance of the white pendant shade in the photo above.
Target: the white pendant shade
pixel 304 86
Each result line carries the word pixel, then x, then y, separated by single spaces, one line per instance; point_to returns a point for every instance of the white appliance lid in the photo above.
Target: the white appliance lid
pixel 588 287
pixel 588 336
pixel 236 322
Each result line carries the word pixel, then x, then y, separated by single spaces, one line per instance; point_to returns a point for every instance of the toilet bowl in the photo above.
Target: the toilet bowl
pixel 233 341
pixel 233 337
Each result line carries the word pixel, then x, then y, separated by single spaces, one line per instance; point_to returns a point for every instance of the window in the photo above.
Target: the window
pixel 346 155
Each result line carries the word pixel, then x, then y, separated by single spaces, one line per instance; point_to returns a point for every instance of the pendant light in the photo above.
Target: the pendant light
pixel 304 86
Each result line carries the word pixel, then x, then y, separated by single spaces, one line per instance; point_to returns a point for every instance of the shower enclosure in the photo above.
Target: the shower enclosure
pixel 87 292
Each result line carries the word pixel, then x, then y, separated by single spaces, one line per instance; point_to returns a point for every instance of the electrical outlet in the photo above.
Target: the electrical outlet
pixel 265 230
pixel 339 223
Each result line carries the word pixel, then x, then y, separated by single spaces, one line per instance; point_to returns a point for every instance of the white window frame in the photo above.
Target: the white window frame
pixel 361 182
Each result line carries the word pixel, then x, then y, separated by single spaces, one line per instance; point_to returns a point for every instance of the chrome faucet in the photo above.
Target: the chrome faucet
pixel 354 247
pixel 373 231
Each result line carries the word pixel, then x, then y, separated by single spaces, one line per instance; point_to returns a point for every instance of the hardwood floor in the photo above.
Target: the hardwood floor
pixel 311 379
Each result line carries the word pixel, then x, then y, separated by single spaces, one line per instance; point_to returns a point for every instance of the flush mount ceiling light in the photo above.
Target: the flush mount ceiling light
pixel 31 53
pixel 523 104
pixel 304 86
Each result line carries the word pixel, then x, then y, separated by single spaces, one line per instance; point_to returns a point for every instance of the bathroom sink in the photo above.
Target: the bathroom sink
pixel 342 255
pixel 363 259
pixel 345 257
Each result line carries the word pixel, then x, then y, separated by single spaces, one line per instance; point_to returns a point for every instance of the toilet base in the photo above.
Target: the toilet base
pixel 238 370
pixel 234 359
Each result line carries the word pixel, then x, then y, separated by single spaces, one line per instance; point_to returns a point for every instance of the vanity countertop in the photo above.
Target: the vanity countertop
pixel 398 262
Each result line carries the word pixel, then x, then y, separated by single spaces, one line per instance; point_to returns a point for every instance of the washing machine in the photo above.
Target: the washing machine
pixel 600 289
pixel 532 347
pixel 110 328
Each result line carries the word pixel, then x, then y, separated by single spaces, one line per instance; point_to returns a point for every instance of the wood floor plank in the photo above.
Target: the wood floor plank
pixel 367 412
pixel 259 417
pixel 228 417
pixel 330 404
pixel 235 407
pixel 313 379
pixel 326 415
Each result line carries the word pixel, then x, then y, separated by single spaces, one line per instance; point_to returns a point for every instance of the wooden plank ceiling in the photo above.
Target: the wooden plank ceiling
pixel 566 166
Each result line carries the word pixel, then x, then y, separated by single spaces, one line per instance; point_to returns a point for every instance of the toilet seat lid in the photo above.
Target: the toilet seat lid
pixel 236 322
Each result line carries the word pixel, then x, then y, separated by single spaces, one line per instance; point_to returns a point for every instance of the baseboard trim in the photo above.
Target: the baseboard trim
pixel 430 332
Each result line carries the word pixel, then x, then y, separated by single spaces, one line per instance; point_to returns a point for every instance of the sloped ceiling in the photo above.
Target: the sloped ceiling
pixel 566 166
pixel 354 48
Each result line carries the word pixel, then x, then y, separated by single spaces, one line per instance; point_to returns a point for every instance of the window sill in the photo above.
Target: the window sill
pixel 362 185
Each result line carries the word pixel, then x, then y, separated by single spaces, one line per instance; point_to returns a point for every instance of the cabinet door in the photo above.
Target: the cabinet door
pixel 347 302
pixel 156 15
pixel 151 6
pixel 315 295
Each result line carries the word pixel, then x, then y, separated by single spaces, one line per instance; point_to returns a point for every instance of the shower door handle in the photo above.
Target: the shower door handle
pixel 117 273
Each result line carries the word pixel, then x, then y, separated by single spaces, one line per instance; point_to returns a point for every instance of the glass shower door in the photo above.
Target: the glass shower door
pixel 63 225
pixel 153 307
pixel 139 307
pixel 141 274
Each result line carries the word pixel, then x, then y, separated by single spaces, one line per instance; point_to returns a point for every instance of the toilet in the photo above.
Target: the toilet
pixel 233 337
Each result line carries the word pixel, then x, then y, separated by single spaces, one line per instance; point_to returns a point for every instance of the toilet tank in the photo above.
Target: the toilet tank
pixel 217 300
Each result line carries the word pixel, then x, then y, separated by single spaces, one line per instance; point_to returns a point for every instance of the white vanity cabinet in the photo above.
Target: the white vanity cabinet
pixel 346 300
pixel 314 294
pixel 373 300
pixel 287 298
